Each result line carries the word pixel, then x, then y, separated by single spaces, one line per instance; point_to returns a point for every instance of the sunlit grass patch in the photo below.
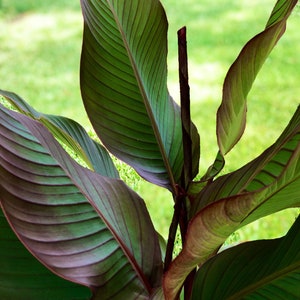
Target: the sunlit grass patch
pixel 40 56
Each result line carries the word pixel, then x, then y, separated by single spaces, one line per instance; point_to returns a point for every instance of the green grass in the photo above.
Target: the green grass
pixel 40 45
pixel 39 57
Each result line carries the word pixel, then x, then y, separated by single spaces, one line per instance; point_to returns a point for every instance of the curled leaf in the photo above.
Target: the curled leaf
pixel 231 115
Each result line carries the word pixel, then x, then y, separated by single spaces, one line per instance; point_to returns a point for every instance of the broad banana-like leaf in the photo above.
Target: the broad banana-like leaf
pixel 266 269
pixel 22 276
pixel 72 134
pixel 231 115
pixel 124 86
pixel 85 227
pixel 209 229
pixel 258 173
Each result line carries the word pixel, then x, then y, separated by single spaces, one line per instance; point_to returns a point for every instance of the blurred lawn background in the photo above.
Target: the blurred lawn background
pixel 40 45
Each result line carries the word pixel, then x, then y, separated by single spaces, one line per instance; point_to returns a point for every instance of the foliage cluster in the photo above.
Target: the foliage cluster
pixel 86 233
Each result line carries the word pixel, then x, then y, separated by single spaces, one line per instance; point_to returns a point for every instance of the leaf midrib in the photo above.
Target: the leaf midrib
pixel 145 99
pixel 265 281
pixel 61 161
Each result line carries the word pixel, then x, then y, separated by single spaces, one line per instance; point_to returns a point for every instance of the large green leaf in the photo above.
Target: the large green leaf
pixel 124 86
pixel 267 269
pixel 231 116
pixel 85 227
pixel 22 276
pixel 72 134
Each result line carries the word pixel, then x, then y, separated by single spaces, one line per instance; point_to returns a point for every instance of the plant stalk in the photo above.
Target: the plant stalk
pixel 178 198
pixel 186 177
pixel 185 106
pixel 180 211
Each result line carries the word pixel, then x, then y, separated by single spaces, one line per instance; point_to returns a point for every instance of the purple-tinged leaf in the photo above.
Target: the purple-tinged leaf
pixel 72 134
pixel 257 174
pixel 266 269
pixel 206 232
pixel 87 228
pixel 124 86
pixel 211 226
pixel 231 116
pixel 18 268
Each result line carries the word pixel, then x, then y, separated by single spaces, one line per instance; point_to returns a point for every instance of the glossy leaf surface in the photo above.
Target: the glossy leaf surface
pixel 240 198
pixel 266 269
pixel 22 276
pixel 266 185
pixel 72 134
pixel 124 86
pixel 231 115
pixel 257 174
pixel 85 227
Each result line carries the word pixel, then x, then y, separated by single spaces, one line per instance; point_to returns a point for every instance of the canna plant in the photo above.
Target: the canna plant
pixel 72 230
